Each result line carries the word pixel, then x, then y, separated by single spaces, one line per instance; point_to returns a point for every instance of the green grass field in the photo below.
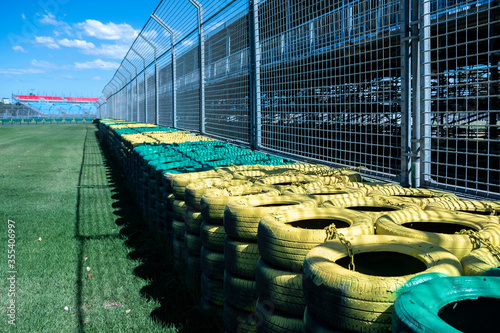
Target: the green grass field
pixel 73 217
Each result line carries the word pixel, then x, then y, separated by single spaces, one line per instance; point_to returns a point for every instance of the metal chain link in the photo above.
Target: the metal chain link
pixel 332 233
pixel 477 241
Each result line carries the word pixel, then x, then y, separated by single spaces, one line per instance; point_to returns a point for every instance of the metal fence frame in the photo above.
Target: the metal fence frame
pixel 369 83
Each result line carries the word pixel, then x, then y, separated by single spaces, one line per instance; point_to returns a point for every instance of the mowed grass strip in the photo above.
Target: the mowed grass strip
pixel 55 184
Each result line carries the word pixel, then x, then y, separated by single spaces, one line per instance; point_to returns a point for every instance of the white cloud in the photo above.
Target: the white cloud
pixel 47 41
pixel 108 31
pixel 49 65
pixel 49 19
pixel 66 77
pixel 97 64
pixel 43 64
pixel 81 44
pixel 12 71
pixel 23 16
pixel 98 78
pixel 114 51
pixel 19 48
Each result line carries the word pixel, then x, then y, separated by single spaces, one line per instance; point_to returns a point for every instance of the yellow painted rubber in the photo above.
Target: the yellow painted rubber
pixel 324 193
pixel 419 196
pixel 238 321
pixel 282 288
pixel 287 236
pixel 242 215
pixel 193 220
pixel 347 299
pixel 193 243
pixel 375 206
pixel 212 290
pixel 194 191
pixel 481 262
pixel 212 236
pixel 400 223
pixel 241 257
pixel 240 293
pixel 212 263
pixel 213 202
pixel 275 322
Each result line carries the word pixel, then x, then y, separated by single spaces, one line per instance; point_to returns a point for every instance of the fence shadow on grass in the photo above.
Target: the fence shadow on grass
pixel 179 306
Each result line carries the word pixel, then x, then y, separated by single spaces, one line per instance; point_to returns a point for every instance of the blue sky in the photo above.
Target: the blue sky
pixel 66 47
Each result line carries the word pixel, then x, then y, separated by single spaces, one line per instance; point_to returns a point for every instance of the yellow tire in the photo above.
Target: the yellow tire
pixel 486 208
pixel 287 236
pixel 324 193
pixel 240 293
pixel 439 227
pixel 213 202
pixel 194 191
pixel 481 262
pixel 282 288
pixel 241 258
pixel 362 299
pixel 422 197
pixel 212 290
pixel 178 228
pixel 212 263
pixel 238 321
pixel 193 220
pixel 374 206
pixel 242 215
pixel 212 236
pixel 268 321
pixel 193 243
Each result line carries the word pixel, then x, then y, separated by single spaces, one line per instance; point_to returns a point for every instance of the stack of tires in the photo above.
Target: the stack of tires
pixel 241 221
pixel 284 240
pixel 276 246
pixel 362 299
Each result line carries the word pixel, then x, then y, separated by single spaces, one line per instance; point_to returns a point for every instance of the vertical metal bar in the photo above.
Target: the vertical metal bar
pixel 201 63
pixel 425 88
pixel 415 95
pixel 255 105
pixel 172 42
pixel 405 95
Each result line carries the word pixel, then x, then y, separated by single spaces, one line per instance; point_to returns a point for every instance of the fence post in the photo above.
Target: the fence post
pixel 415 76
pixel 145 84
pixel 172 40
pixel 255 110
pixel 425 91
pixel 201 63
pixel 406 144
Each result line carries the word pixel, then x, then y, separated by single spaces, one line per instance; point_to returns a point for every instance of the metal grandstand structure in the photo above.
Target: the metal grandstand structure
pixel 34 106
pixel 407 89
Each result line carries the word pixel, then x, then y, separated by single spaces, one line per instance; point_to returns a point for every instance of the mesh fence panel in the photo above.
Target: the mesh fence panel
pixel 462 85
pixel 407 89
